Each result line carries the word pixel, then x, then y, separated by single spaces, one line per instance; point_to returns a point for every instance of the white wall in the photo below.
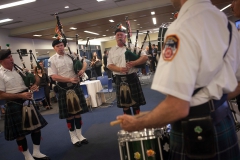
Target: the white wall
pixel 25 43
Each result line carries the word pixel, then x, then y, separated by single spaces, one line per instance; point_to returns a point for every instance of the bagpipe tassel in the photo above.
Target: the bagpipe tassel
pixel 128 98
pixel 70 107
pixel 34 118
pixel 122 97
pixel 76 104
pixel 26 120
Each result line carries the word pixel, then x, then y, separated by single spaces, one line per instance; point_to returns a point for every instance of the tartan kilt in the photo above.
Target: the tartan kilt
pixel 62 101
pixel 135 88
pixel 225 137
pixel 13 121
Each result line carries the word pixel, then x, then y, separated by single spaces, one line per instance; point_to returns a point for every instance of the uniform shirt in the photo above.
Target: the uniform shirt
pixel 61 65
pixel 193 55
pixel 116 56
pixel 11 81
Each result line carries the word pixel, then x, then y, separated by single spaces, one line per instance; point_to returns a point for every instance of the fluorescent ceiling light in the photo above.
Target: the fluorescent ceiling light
pixel 5 20
pixel 154 20
pixel 152 13
pixel 104 35
pixel 225 7
pixel 111 20
pixel 37 35
pixel 100 0
pixel 16 3
pixel 73 28
pixel 91 32
pixel 135 20
pixel 66 7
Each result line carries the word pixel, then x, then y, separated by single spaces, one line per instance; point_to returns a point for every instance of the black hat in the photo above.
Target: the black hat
pixel 119 28
pixel 4 53
pixel 57 41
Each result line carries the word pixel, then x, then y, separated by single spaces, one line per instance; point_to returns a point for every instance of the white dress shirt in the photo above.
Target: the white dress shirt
pixel 11 81
pixel 116 56
pixel 197 59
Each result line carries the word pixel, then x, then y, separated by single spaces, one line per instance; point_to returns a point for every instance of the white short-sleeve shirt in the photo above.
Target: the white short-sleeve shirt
pixel 61 65
pixel 116 56
pixel 192 56
pixel 11 81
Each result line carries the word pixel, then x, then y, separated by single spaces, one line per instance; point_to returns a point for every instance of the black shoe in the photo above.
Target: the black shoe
pixel 85 141
pixel 43 158
pixel 78 144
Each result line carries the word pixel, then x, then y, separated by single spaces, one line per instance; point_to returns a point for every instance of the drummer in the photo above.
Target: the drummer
pixel 196 78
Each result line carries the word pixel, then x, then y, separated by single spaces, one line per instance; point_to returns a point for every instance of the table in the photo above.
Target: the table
pixel 93 87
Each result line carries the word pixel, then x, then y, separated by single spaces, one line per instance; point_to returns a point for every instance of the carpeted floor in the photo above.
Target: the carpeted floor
pixel 102 137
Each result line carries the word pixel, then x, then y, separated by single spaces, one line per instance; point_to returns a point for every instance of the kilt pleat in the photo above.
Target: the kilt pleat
pixel 135 88
pixel 62 102
pixel 13 121
pixel 225 137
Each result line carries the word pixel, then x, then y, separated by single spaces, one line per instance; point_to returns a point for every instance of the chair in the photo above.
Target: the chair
pixel 86 95
pixel 107 86
pixel 39 95
pixel 2 104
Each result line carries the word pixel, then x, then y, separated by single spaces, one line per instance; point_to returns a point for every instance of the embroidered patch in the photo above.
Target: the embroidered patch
pixel 49 64
pixel 170 47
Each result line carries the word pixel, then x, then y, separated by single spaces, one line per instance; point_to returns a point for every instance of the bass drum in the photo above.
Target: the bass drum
pixel 162 31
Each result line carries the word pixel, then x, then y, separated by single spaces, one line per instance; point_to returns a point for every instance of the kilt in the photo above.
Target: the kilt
pixel 225 137
pixel 135 87
pixel 62 103
pixel 13 121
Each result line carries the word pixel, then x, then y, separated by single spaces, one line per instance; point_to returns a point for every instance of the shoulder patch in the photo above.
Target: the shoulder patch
pixel 49 64
pixel 170 47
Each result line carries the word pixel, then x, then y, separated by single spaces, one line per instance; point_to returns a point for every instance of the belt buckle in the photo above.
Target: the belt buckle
pixel 69 84
pixel 123 79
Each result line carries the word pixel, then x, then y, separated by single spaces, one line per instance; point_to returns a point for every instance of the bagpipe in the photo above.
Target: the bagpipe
pixel 77 64
pixel 129 55
pixel 28 77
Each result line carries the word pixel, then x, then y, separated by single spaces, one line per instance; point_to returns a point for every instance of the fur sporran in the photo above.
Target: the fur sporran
pixel 73 103
pixel 125 95
pixel 30 120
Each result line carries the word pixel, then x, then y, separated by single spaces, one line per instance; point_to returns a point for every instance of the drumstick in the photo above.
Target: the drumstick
pixel 119 121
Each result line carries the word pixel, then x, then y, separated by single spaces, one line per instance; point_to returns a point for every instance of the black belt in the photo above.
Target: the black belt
pixel 67 85
pixel 127 76
pixel 18 100
pixel 215 108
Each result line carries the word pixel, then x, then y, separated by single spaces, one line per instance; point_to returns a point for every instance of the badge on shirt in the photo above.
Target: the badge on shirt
pixel 170 47
pixel 49 64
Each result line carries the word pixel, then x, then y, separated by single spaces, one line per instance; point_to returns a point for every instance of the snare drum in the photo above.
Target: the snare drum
pixel 142 145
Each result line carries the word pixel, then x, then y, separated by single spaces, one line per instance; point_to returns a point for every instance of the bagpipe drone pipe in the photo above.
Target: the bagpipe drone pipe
pixel 77 64
pixel 129 55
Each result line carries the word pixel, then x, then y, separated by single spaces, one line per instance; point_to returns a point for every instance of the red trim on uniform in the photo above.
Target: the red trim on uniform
pixel 81 122
pixel 69 125
pixel 20 148
pixel 138 111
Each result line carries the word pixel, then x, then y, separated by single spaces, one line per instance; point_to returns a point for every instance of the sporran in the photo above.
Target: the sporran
pixel 73 102
pixel 30 120
pixel 125 95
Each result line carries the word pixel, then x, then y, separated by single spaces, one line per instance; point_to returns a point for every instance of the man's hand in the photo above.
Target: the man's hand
pixel 123 69
pixel 34 88
pixel 80 73
pixel 26 95
pixel 74 80
pixel 129 123
pixel 130 64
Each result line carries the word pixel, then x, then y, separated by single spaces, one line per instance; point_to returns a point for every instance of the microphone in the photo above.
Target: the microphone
pixel 87 42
